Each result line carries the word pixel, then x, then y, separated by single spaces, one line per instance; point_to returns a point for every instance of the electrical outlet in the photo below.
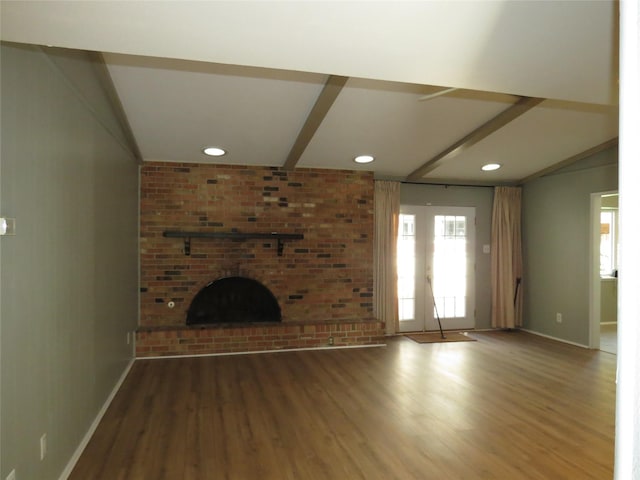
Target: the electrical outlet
pixel 12 475
pixel 559 317
pixel 330 341
pixel 43 446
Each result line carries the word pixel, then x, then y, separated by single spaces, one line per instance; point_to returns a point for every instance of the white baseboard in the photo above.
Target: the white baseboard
pixel 83 444
pixel 562 340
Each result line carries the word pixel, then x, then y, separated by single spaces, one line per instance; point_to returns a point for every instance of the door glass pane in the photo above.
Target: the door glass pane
pixel 450 266
pixel 406 267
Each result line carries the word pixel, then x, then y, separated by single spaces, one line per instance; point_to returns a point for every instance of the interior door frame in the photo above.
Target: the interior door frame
pixel 430 211
pixel 594 264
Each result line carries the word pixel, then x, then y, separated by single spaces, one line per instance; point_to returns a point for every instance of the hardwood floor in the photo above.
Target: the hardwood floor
pixel 509 406
pixel 609 338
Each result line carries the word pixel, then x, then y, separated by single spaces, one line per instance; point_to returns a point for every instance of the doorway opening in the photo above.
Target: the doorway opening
pixel 436 268
pixel 603 290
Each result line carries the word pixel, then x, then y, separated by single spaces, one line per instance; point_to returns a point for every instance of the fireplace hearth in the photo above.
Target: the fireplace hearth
pixel 234 300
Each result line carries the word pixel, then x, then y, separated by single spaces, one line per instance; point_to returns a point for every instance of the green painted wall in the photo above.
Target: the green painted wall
pixel 555 223
pixel 68 291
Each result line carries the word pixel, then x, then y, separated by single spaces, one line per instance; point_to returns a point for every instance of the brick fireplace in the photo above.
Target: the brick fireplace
pixel 322 278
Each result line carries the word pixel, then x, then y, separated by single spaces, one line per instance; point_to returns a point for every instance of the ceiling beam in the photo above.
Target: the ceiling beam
pixel 503 118
pixel 116 103
pixel 325 100
pixel 571 160
pixel 429 96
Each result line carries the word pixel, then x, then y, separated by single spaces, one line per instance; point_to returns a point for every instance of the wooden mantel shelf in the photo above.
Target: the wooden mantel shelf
pixel 280 237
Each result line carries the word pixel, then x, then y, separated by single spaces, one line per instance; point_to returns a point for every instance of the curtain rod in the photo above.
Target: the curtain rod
pixel 447 185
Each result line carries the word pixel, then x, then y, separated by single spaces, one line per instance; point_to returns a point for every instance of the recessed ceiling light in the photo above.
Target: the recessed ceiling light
pixel 364 159
pixel 490 167
pixel 214 151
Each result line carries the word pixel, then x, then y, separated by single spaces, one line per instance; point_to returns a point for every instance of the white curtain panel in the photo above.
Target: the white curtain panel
pixel 385 240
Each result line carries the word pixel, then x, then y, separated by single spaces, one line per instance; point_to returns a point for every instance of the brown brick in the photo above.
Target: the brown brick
pixel 321 280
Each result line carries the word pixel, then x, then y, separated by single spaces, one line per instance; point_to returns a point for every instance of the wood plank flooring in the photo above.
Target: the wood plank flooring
pixel 609 338
pixel 509 406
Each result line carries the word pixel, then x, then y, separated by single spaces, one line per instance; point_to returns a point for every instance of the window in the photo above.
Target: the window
pixel 450 266
pixel 608 242
pixel 406 267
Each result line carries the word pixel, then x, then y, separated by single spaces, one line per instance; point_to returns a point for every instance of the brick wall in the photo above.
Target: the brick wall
pixel 325 278
pixel 170 341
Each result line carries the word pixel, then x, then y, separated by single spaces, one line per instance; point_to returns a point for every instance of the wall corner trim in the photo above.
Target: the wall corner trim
pixel 92 428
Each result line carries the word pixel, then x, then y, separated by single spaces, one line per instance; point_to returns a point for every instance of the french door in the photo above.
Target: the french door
pixel 436 262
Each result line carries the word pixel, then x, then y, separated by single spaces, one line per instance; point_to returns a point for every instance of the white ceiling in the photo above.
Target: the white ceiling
pixel 246 75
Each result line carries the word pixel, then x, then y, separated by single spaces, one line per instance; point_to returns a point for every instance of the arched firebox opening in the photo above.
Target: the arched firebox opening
pixel 233 300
